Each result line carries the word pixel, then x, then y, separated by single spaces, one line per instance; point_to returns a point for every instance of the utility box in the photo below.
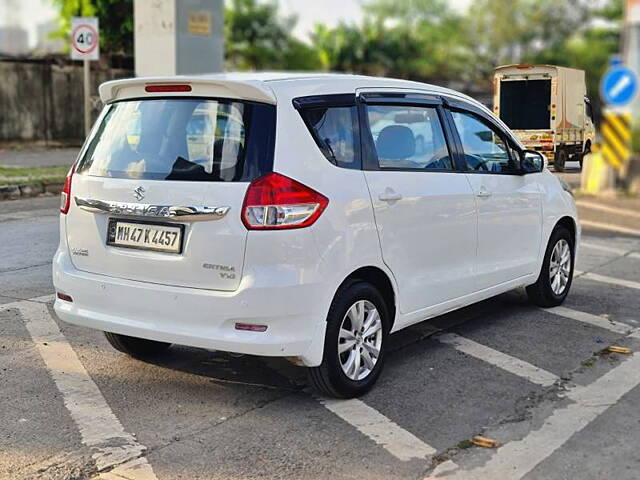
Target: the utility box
pixel 174 37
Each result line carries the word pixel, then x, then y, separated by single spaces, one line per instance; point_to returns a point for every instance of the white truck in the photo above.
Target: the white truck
pixel 547 108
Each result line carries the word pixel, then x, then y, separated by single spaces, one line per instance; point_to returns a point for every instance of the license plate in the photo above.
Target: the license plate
pixel 159 237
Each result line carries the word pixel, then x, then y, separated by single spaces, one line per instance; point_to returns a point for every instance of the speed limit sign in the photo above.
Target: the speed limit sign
pixel 85 41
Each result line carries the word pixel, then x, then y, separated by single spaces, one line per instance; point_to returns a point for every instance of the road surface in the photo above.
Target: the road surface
pixel 74 408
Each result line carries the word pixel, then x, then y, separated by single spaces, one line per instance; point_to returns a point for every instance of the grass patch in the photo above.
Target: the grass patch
pixel 28 175
pixel 31 181
pixel 35 172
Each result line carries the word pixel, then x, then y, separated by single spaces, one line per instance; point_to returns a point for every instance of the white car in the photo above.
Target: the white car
pixel 299 235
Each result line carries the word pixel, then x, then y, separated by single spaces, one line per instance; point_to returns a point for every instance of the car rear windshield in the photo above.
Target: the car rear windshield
pixel 189 139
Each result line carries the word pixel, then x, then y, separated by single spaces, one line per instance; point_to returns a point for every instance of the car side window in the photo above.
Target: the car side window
pixel 408 137
pixel 335 132
pixel 485 150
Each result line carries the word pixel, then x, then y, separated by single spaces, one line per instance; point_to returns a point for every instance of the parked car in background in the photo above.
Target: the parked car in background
pixel 547 108
pixel 315 226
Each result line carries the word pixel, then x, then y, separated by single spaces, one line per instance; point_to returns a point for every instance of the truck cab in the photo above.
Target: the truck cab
pixel 547 108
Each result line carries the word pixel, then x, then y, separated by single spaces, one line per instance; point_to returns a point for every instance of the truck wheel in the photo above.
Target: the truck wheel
pixel 355 344
pixel 560 159
pixel 136 347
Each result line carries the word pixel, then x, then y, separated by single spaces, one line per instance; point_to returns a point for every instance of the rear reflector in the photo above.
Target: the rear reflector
pixel 167 88
pixel 250 327
pixel 64 296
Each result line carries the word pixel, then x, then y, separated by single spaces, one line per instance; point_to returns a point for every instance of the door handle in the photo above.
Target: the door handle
pixel 389 196
pixel 483 192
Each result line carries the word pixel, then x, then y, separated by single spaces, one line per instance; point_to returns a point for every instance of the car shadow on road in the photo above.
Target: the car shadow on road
pixel 230 368
pixel 280 374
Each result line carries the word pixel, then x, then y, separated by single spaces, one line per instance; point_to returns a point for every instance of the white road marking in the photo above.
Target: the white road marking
pixel 607 209
pixel 116 452
pixel 606 279
pixel 591 319
pixel 604 248
pixel 610 227
pixel 397 441
pixel 515 459
pixel 501 360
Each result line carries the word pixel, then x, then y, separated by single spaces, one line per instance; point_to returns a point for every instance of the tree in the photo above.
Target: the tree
pixel 116 25
pixel 256 38
pixel 115 17
pixel 416 39
pixel 68 9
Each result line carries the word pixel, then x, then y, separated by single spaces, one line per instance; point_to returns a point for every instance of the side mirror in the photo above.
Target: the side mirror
pixel 531 161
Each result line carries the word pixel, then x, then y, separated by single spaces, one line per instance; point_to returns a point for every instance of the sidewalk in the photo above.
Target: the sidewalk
pixel 37 157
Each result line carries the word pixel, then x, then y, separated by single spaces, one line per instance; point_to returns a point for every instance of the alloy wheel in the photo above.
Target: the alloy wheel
pixel 560 267
pixel 360 340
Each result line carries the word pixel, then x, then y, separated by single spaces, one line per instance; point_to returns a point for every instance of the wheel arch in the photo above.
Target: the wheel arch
pixel 381 280
pixel 570 224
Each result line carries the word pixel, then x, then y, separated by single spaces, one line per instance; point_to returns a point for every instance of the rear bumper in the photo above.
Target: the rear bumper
pixel 195 317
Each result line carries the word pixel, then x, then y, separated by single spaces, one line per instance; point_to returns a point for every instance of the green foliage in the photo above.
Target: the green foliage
pixel 116 25
pixel 68 9
pixel 410 39
pixel 417 39
pixel 115 17
pixel 256 38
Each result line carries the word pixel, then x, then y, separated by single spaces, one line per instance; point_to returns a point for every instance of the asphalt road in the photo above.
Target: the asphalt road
pixel 70 405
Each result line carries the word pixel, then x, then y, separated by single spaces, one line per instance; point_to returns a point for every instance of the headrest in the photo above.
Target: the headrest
pixel 396 141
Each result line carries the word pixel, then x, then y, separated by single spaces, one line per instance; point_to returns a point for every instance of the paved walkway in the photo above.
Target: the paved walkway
pixel 40 157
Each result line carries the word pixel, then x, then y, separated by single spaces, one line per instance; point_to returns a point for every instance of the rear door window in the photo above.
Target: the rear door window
pixel 182 139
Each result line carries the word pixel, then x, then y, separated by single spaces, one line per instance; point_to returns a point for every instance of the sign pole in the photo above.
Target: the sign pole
pixel 87 95
pixel 85 46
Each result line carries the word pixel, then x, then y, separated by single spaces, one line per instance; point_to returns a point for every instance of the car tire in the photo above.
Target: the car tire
pixel 554 280
pixel 560 160
pixel 136 347
pixel 349 373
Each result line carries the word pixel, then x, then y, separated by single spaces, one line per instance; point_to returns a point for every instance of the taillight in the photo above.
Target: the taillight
pixel 65 195
pixel 274 201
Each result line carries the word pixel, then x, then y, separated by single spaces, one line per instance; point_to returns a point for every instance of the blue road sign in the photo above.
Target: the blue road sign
pixel 619 86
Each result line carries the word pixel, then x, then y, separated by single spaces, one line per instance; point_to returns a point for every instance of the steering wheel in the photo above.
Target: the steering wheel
pixel 476 162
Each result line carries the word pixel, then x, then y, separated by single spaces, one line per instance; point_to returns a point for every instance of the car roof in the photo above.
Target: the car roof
pixel 270 87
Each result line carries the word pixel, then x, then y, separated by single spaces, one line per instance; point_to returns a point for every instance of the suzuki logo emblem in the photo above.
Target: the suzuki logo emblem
pixel 139 192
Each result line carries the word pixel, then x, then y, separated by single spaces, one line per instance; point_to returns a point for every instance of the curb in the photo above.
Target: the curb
pixel 13 192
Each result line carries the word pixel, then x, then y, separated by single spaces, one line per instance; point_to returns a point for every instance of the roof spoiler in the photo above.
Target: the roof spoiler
pixel 200 87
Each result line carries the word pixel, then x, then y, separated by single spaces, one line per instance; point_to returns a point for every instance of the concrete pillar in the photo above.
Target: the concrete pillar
pixel 173 37
pixel 631 54
pixel 631 47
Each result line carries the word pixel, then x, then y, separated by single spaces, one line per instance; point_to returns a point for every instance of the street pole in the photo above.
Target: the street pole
pixel 87 97
pixel 631 55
